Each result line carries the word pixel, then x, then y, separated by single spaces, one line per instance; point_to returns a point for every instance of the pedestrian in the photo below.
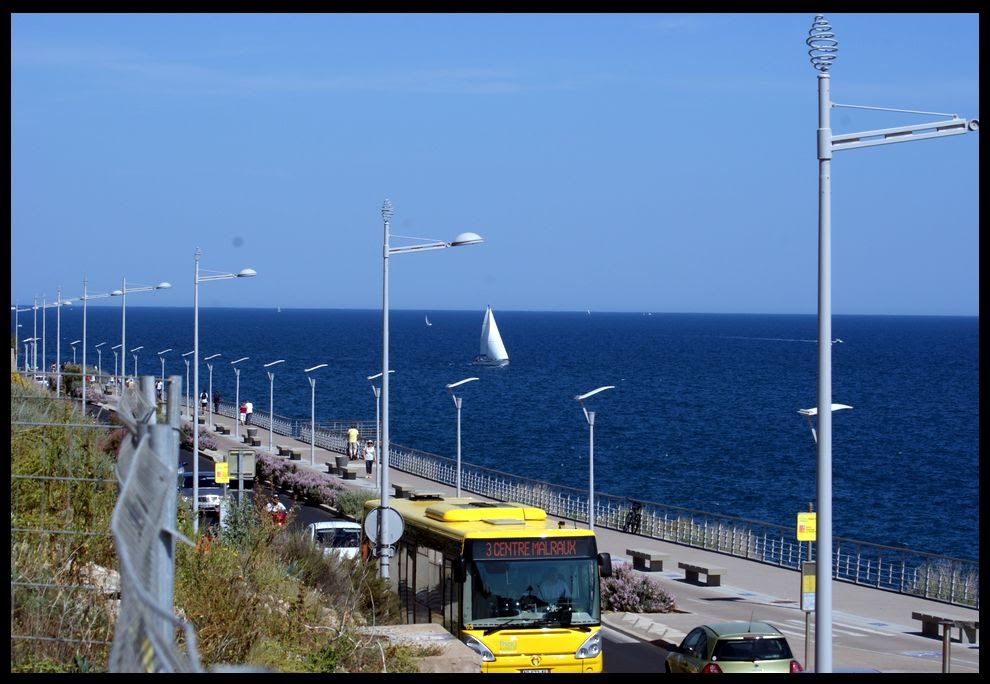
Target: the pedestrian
pixel 158 389
pixel 216 402
pixel 369 458
pixel 352 442
pixel 243 413
pixel 249 408
pixel 204 401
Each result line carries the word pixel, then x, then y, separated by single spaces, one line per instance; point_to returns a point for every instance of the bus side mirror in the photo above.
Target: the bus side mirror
pixel 605 564
pixel 459 569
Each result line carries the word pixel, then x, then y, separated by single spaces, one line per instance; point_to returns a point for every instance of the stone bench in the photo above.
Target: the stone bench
pixel 283 450
pixel 930 625
pixel 349 474
pixel 403 491
pixel 253 441
pixel 222 429
pixel 713 574
pixel 647 560
pixel 295 455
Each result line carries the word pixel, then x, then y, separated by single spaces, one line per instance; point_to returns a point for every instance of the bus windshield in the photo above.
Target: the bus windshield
pixel 521 593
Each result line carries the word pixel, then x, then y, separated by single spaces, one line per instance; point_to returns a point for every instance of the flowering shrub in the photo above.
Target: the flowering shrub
pixel 206 440
pixel 305 482
pixel 634 592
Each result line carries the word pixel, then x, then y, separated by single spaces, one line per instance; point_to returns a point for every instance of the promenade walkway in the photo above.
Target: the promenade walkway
pixel 871 628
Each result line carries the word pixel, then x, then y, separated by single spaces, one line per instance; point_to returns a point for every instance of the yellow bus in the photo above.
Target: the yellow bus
pixel 520 590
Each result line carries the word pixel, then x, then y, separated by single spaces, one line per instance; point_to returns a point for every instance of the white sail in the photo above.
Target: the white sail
pixel 492 351
pixel 428 321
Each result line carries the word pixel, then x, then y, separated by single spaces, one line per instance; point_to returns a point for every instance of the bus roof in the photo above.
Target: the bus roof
pixel 465 517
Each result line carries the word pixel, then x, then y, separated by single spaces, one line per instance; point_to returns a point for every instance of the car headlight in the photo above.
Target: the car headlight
pixel 486 655
pixel 591 647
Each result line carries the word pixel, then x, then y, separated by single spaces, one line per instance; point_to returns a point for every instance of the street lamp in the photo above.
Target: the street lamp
pixel 116 376
pixel 210 366
pixel 73 344
pixel 378 423
pixel 17 326
pixel 457 404
pixel 26 343
pixel 161 355
pixel 134 352
pixel 237 394
pixel 312 413
pixel 823 50
pixel 813 411
pixel 34 337
pixel 590 417
pixel 197 279
pixel 99 361
pixel 185 357
pixel 466 238
pixel 271 400
pixel 122 293
pixel 58 342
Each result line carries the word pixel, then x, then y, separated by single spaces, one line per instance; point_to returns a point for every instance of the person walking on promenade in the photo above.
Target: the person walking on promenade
pixel 204 402
pixel 369 459
pixel 352 442
pixel 250 409
pixel 243 412
pixel 216 402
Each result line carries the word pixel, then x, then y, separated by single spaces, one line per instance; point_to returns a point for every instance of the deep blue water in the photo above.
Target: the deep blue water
pixel 703 414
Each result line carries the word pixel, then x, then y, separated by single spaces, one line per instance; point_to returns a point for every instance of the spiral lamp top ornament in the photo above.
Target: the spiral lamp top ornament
pixel 386 210
pixel 824 46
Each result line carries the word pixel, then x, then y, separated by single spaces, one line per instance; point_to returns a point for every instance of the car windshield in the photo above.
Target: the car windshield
pixel 341 538
pixel 755 648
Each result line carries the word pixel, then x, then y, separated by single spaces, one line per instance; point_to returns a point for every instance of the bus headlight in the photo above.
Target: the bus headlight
pixel 591 647
pixel 486 655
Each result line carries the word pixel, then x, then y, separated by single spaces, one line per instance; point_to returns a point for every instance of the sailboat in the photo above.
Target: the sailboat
pixel 492 351
pixel 428 324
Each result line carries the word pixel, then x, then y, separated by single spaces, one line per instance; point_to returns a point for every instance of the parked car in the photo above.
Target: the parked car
pixel 733 647
pixel 210 493
pixel 336 537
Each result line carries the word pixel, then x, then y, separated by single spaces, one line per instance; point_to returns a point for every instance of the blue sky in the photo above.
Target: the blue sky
pixel 614 162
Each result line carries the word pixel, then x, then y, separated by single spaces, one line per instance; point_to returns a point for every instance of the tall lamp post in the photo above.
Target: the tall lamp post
pixel 467 238
pixel 312 412
pixel 134 354
pixel 116 376
pixel 99 362
pixel 26 342
pixel 122 293
pixel 271 401
pixel 378 422
pixel 823 50
pixel 210 366
pixel 58 342
pixel 197 279
pixel 185 357
pixel 161 355
pixel 590 417
pixel 237 394
pixel 17 325
pixel 457 404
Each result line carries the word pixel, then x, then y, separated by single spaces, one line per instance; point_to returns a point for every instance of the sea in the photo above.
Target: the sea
pixel 703 413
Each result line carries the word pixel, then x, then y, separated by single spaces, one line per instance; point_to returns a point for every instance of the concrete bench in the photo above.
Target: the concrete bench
pixel 283 450
pixel 403 491
pixel 713 574
pixel 930 625
pixel 295 455
pixel 349 474
pixel 647 559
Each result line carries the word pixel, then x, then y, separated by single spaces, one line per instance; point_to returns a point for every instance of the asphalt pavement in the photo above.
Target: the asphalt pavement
pixel 871 628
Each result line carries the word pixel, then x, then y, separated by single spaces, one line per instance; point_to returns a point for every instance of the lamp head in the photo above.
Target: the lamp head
pixel 466 238
pixel 246 273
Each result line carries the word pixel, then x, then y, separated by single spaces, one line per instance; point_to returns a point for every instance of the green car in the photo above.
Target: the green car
pixel 742 646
